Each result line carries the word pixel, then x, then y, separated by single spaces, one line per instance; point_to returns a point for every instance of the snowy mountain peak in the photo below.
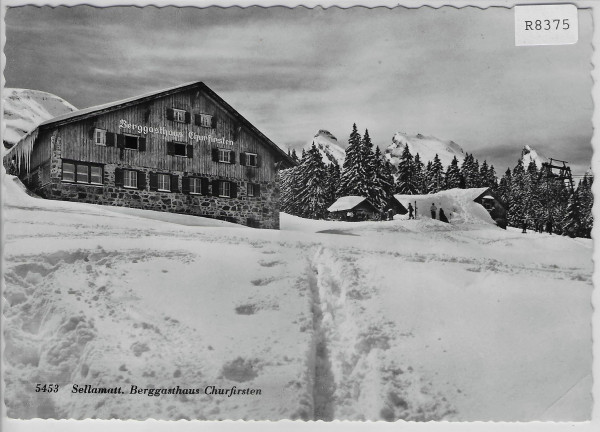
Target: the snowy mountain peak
pixel 528 154
pixel 426 146
pixel 331 151
pixel 25 109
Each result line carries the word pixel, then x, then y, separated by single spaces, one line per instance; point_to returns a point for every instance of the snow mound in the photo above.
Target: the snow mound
pixel 529 155
pixel 458 205
pixel 25 109
pixel 426 146
pixel 331 151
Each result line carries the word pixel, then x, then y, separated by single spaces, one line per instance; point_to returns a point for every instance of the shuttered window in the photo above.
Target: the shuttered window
pixel 195 185
pixel 251 159
pixel 179 115
pixel 100 136
pixel 203 120
pixel 225 156
pixel 164 182
pixel 130 179
pixel 224 189
pixel 252 190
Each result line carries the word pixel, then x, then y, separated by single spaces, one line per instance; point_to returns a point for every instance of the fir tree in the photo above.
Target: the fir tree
pixel 435 176
pixel 295 156
pixel 586 202
pixel 378 192
pixel 354 179
pixel 312 194
pixel 453 175
pixel 572 225
pixel 419 175
pixel 406 174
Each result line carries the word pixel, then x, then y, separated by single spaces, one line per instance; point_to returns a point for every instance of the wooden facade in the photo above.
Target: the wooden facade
pixel 187 132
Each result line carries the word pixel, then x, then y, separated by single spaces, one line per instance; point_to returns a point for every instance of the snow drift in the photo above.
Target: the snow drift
pixel 458 205
pixel 426 146
pixel 25 109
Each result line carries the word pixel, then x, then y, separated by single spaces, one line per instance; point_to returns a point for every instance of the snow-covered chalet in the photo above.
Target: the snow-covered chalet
pixel 181 149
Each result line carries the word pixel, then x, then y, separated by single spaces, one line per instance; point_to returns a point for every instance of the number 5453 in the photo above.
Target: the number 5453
pixel 554 24
pixel 46 388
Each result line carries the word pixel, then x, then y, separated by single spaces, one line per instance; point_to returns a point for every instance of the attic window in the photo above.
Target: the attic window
pixel 179 115
pixel 204 120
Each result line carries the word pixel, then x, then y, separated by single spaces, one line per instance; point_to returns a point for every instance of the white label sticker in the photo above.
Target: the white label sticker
pixel 546 25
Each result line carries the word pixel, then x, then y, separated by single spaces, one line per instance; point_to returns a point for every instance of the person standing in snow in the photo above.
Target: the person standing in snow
pixel 524 226
pixel 549 226
pixel 433 211
pixel 411 211
pixel 443 217
pixel 390 214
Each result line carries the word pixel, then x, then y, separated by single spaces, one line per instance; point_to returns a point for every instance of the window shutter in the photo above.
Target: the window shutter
pixel 185 185
pixel 257 190
pixel 197 119
pixel 215 187
pixel 141 180
pixel 233 189
pixel 188 117
pixel 92 133
pixel 142 144
pixel 258 160
pixel 110 139
pixel 190 151
pixel 213 122
pixel 170 114
pixel 153 181
pixel 243 159
pixel 174 183
pixel 215 154
pixel 120 141
pixel 231 156
pixel 170 148
pixel 204 186
pixel 118 177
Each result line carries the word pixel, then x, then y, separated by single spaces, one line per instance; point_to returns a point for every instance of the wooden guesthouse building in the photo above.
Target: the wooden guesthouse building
pixel 182 150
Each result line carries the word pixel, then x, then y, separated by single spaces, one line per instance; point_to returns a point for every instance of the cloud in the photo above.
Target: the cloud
pixel 452 73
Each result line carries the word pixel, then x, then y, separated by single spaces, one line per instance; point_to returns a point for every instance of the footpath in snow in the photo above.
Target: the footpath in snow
pixel 415 320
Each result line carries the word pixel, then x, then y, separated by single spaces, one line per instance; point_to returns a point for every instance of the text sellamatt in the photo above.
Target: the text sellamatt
pixel 89 389
pixel 212 390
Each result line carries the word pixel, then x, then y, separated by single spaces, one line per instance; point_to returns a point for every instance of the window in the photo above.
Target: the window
pixel 164 182
pixel 224 155
pixel 251 159
pixel 130 179
pixel 195 185
pixel 250 189
pixel 100 137
pixel 131 142
pixel 224 189
pixel 68 171
pixel 179 115
pixel 96 174
pixel 205 120
pixel 82 172
pixel 179 149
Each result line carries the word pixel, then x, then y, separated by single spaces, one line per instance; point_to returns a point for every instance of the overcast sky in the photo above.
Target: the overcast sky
pixel 451 73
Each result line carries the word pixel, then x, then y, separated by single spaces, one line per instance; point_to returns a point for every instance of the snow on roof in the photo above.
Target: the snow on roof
pixel 346 203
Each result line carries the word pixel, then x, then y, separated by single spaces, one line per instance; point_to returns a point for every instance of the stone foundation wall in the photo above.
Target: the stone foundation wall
pixel 263 210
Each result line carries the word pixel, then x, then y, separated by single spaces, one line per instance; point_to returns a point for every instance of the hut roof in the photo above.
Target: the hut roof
pixel 348 203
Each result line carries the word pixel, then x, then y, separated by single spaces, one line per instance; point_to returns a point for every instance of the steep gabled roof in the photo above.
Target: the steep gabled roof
pixel 124 103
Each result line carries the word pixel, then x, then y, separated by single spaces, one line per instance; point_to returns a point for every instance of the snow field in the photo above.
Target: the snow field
pixel 418 320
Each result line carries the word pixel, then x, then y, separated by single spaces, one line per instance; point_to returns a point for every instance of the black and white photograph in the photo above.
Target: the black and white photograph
pixel 297 213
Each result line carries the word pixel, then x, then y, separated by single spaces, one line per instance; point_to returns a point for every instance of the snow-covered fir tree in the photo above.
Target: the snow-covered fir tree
pixel 435 176
pixel 312 197
pixel 453 175
pixel 354 179
pixel 419 175
pixel 406 174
